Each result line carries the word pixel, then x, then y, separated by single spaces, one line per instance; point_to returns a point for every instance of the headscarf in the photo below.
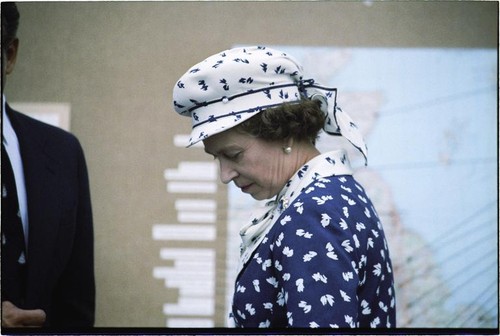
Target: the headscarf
pixel 231 86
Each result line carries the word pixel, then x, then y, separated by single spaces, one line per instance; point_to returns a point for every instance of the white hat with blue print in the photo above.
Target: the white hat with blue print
pixel 230 87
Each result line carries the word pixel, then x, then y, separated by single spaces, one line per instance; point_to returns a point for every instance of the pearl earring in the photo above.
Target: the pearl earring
pixel 287 150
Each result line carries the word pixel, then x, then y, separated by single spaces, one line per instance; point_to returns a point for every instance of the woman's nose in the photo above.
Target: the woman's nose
pixel 227 172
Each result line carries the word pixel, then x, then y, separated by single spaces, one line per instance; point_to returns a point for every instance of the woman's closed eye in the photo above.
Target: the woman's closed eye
pixel 233 155
pixel 227 156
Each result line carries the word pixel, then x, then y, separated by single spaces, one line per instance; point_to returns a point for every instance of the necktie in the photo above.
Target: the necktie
pixel 13 246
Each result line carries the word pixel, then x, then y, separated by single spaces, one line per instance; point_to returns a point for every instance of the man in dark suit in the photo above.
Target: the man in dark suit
pixel 47 230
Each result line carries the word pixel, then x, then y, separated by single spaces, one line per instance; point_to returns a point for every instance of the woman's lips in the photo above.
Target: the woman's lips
pixel 246 187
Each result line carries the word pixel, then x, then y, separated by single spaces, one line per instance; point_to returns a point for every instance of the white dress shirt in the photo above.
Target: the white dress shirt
pixel 9 139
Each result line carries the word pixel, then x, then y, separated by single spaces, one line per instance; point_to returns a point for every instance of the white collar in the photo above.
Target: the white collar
pixel 8 134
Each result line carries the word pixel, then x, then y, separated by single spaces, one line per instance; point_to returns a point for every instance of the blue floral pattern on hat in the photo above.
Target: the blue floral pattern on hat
pixel 230 87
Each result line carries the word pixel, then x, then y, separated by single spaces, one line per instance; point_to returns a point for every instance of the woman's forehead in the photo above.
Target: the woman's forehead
pixel 225 140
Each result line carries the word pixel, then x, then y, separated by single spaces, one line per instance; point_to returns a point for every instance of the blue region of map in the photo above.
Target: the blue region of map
pixel 433 140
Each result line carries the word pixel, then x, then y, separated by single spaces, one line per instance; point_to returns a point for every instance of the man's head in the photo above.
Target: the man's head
pixel 10 43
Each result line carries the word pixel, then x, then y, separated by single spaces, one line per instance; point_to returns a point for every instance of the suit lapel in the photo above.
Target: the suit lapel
pixel 42 188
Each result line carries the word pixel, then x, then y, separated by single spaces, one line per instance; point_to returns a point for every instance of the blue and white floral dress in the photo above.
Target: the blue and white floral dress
pixel 317 258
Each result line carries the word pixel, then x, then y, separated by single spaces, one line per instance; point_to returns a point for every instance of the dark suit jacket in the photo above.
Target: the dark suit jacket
pixel 60 258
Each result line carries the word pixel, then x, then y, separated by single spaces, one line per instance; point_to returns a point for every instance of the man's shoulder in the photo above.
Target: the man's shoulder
pixel 54 141
pixel 40 129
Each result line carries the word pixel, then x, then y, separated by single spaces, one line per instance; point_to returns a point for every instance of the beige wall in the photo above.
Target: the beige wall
pixel 116 64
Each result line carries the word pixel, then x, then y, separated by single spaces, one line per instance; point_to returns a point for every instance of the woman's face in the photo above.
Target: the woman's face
pixel 257 167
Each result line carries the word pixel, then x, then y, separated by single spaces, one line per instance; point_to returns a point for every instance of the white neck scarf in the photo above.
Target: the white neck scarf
pixel 322 166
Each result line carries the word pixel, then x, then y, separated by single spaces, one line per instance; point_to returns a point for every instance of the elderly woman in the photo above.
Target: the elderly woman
pixel 317 256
